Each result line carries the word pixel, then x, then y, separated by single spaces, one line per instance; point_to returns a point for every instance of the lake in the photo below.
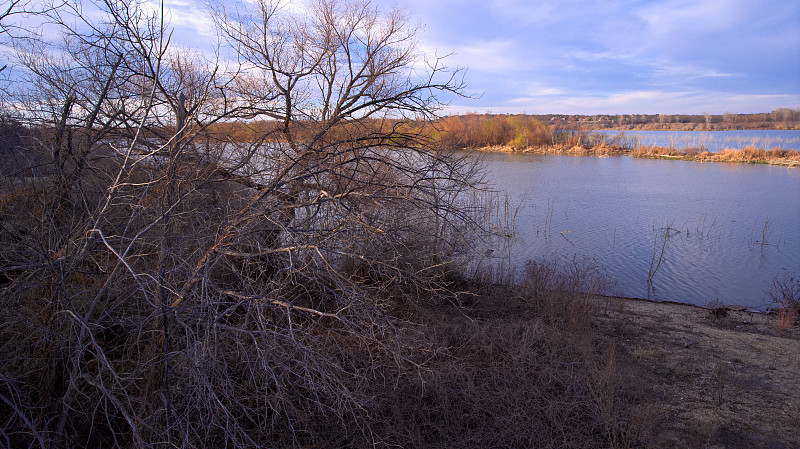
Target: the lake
pixel 731 227
pixel 707 140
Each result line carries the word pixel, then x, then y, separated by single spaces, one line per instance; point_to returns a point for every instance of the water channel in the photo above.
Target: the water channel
pixel 730 227
pixel 704 140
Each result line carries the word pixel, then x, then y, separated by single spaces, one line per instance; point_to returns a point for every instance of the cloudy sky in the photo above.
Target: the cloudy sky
pixel 601 56
pixel 609 56
pixel 620 56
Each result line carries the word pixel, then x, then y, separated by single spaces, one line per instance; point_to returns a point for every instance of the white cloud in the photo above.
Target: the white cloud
pixel 491 56
pixel 526 12
pixel 188 14
pixel 688 72
pixel 575 56
pixel 539 89
pixel 674 17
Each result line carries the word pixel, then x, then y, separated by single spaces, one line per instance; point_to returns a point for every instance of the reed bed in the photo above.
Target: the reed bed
pixel 748 155
pixel 565 150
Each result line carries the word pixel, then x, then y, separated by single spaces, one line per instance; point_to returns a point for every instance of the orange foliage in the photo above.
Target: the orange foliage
pixel 460 131
pixel 482 131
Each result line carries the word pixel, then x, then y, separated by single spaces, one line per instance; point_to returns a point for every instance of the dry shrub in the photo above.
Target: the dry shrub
pixel 787 318
pixel 779 156
pixel 604 149
pixel 90 359
pixel 564 293
pixel 749 155
pixel 692 153
pixel 785 295
pixel 716 309
pixel 656 152
pixel 285 350
pixel 509 373
pixel 17 160
pixel 292 349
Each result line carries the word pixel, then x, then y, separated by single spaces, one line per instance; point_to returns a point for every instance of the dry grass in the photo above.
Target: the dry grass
pixel 749 155
pixel 563 150
pixel 519 367
pixel 709 380
pixel 785 295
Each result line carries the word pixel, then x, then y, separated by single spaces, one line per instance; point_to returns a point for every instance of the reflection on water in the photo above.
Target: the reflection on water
pixel 729 227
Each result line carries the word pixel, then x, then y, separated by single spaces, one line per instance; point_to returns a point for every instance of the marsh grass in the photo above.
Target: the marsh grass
pixel 748 155
pixel 569 149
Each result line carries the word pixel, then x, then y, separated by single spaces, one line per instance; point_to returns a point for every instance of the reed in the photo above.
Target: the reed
pixel 661 243
pixel 748 155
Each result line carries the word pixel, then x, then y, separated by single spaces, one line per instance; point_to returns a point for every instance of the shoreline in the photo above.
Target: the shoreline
pixel 719 308
pixel 695 376
pixel 708 378
pixel 749 155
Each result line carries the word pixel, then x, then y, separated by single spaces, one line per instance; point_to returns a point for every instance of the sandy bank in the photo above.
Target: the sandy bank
pixel 724 380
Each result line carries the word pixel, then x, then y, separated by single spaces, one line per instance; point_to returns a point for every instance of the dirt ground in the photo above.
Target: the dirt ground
pixel 707 380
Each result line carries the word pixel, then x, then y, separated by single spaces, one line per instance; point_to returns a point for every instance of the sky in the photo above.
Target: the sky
pixel 620 56
pixel 599 56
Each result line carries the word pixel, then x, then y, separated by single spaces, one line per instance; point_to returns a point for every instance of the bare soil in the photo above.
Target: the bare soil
pixel 729 379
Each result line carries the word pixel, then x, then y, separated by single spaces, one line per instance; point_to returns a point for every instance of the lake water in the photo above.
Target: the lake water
pixel 708 140
pixel 732 227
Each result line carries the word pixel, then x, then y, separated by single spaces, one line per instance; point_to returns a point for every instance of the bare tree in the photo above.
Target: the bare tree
pixel 165 284
pixel 7 14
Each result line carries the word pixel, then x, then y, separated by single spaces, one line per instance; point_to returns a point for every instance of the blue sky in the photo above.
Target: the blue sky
pixel 600 56
pixel 616 57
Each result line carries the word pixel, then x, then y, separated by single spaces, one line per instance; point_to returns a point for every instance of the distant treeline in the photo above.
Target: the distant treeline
pixel 535 131
pixel 782 118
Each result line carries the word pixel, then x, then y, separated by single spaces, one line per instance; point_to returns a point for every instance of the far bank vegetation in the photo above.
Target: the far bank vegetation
pixel 567 135
pixel 551 135
pixel 779 119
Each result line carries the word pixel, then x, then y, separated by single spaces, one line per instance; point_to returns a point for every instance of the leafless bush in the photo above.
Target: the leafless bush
pixel 785 294
pixel 564 293
pixel 507 374
pixel 15 161
pixel 165 285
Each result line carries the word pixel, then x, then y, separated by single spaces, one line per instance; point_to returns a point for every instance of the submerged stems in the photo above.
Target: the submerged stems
pixel 661 242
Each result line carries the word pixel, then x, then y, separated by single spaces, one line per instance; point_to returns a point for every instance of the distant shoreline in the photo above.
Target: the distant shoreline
pixel 699 127
pixel 749 155
pixel 778 119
